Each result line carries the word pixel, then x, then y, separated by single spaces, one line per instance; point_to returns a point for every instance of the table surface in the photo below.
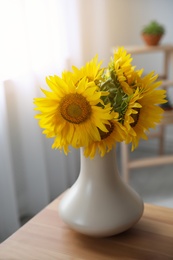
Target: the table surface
pixel 46 237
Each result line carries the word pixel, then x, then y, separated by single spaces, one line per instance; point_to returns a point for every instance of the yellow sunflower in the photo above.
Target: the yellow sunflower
pixel 116 133
pixel 91 71
pixel 143 111
pixel 123 69
pixel 130 114
pixel 71 114
pixel 148 83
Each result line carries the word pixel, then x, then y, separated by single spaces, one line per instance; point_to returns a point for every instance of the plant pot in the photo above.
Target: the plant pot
pixel 152 39
pixel 100 204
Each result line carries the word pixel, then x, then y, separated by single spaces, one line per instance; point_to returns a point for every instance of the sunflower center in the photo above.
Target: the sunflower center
pixel 110 129
pixel 135 117
pixel 75 108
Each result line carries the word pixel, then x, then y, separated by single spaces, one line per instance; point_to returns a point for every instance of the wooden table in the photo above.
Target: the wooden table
pixel 46 237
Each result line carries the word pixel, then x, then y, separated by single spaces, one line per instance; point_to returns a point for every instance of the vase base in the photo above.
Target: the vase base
pixel 104 224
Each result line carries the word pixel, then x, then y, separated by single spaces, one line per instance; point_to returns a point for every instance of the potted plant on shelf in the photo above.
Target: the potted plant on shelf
pixel 152 33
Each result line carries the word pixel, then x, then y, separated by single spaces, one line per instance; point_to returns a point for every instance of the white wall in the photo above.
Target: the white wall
pixel 107 23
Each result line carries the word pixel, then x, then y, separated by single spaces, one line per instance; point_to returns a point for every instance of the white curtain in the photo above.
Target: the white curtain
pixel 35 42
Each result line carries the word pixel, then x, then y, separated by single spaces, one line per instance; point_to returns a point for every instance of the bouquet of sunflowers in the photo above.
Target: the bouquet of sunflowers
pixel 94 107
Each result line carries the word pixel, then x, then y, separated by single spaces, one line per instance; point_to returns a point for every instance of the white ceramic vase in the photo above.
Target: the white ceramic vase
pixel 100 203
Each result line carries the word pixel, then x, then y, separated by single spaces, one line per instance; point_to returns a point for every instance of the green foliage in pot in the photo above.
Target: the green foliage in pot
pixel 153 28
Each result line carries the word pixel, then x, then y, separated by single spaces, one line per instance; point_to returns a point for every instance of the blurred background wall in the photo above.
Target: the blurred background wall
pixel 41 38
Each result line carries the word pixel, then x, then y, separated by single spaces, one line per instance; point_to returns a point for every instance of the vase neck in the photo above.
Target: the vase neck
pixel 99 165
